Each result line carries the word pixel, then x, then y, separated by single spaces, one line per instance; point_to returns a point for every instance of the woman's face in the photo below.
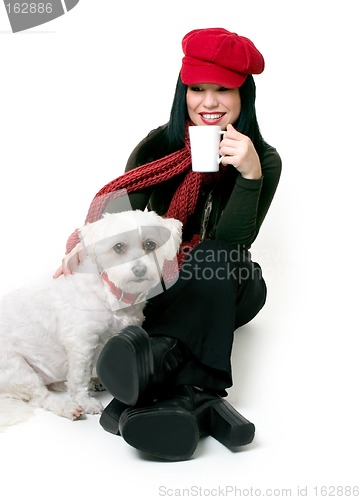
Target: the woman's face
pixel 210 104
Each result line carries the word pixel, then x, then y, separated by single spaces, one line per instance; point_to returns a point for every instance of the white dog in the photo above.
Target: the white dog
pixel 53 332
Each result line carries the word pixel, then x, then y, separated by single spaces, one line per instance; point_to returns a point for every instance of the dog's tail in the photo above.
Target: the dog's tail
pixel 13 411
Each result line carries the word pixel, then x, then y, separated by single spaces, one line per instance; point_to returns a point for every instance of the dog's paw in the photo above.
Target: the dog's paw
pixel 73 410
pixel 91 406
pixel 68 409
pixel 95 385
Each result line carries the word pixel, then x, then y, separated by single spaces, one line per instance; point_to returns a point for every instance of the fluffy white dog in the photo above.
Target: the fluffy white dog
pixel 52 333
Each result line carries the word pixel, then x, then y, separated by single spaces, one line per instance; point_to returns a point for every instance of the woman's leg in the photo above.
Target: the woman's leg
pixel 219 289
pixel 189 328
pixel 251 295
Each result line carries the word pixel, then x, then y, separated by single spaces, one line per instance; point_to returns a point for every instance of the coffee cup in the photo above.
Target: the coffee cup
pixel 204 142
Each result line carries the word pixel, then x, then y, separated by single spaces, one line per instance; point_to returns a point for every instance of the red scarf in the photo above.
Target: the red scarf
pixel 185 198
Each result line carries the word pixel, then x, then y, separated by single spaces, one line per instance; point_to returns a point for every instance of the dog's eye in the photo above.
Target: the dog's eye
pixel 150 245
pixel 119 248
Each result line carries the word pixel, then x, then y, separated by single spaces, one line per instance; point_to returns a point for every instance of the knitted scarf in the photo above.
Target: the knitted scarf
pixel 185 198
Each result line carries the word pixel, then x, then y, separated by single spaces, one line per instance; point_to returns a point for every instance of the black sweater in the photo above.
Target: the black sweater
pixel 238 205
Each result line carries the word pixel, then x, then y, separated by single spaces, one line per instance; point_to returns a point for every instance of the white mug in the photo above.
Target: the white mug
pixel 204 141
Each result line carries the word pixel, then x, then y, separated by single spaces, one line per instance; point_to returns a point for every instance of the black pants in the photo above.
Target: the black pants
pixel 218 290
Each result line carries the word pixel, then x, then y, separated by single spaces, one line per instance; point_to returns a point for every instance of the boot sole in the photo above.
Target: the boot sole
pixel 125 365
pixel 166 433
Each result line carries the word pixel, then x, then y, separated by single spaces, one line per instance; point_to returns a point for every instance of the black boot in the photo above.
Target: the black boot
pixel 170 428
pixel 109 419
pixel 132 362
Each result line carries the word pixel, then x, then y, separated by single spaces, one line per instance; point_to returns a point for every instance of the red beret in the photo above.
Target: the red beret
pixel 215 55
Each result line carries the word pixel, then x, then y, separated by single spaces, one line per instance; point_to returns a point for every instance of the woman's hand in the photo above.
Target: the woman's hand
pixel 238 150
pixel 71 261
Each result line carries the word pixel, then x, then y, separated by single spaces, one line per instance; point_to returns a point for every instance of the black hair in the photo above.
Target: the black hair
pixel 246 124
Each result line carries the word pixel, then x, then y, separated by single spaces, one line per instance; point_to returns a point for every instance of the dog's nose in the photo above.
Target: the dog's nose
pixel 139 270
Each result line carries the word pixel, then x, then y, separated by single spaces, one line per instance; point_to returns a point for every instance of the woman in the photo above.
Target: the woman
pixel 170 377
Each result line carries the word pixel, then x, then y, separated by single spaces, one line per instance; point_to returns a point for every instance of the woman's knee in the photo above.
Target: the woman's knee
pixel 251 295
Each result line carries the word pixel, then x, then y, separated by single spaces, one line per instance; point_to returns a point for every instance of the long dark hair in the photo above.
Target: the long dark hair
pixel 247 122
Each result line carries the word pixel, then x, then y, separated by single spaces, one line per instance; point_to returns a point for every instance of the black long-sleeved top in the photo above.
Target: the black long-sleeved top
pixel 238 205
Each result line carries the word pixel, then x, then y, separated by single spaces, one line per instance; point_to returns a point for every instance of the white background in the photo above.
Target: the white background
pixel 77 95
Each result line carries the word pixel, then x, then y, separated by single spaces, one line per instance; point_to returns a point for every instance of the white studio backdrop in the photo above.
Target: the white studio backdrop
pixel 77 95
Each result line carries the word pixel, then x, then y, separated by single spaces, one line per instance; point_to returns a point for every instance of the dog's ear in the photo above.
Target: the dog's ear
pixel 175 227
pixel 171 246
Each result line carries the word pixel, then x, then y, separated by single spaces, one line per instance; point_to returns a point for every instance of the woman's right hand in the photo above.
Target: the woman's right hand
pixel 71 261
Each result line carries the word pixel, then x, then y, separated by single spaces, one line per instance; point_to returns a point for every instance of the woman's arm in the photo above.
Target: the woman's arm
pixel 249 202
